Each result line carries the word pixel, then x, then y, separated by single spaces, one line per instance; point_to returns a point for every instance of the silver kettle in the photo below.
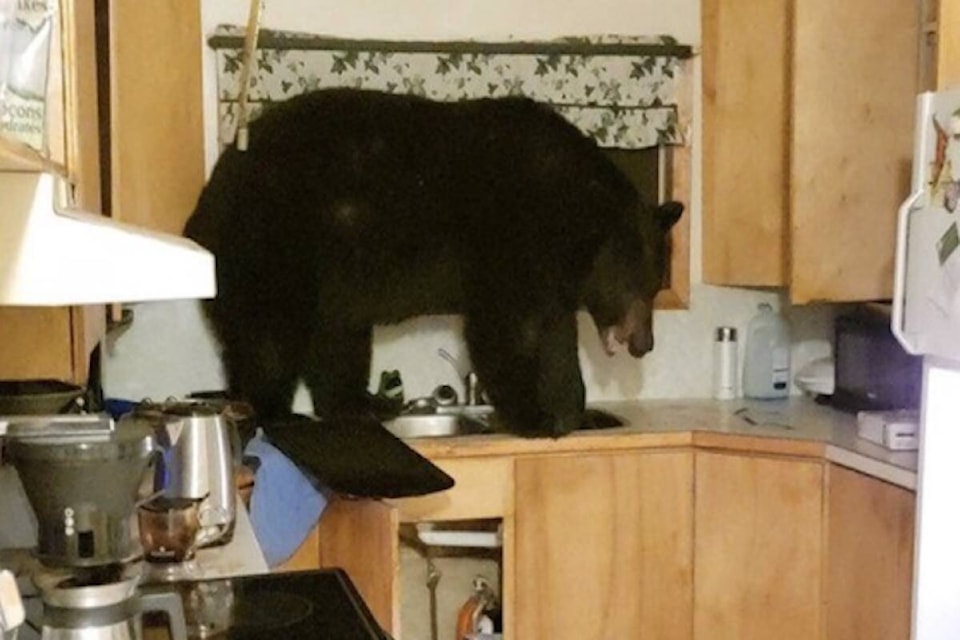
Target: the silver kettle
pixel 201 454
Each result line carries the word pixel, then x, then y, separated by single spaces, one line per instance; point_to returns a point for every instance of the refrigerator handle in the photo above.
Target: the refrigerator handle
pixel 900 274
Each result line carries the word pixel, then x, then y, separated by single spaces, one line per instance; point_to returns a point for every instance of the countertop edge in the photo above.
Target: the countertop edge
pixel 893 474
pixel 811 431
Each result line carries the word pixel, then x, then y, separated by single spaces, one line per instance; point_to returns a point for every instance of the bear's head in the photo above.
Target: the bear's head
pixel 627 273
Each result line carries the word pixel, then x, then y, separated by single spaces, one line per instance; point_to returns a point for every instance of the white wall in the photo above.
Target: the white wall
pixel 168 352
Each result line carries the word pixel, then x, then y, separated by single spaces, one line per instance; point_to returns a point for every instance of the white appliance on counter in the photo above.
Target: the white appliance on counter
pixel 926 320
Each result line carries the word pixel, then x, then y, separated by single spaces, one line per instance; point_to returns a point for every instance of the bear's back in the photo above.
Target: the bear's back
pixel 380 189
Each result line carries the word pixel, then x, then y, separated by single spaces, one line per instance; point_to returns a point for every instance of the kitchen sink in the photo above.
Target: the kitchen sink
pixel 462 420
pixel 446 423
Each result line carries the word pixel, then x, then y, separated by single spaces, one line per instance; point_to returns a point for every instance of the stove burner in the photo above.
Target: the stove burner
pixel 271 610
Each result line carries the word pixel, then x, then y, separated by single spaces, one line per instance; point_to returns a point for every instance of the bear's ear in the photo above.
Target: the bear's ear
pixel 668 213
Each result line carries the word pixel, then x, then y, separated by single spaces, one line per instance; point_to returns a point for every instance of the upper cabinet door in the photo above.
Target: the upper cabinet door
pixel 155 111
pixel 948 44
pixel 808 111
pixel 855 80
pixel 745 141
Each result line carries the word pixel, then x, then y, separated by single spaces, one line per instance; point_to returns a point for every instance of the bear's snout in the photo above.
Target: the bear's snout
pixel 641 343
pixel 635 330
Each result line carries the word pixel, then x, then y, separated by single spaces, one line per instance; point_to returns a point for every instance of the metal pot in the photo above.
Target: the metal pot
pixel 38 397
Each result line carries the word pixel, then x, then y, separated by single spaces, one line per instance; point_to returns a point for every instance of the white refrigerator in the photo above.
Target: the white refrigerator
pixel 926 320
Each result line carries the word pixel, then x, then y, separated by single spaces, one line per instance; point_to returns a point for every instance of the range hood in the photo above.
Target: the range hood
pixel 51 257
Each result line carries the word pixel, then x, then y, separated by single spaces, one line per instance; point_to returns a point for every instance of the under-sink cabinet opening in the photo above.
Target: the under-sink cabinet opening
pixel 451 580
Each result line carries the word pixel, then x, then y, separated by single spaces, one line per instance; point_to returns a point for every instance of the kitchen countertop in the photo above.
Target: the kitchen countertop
pixel 796 426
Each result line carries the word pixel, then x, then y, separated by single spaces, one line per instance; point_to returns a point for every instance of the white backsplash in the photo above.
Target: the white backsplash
pixel 168 350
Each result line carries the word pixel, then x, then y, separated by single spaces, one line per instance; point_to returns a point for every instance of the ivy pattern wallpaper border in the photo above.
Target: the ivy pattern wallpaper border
pixel 623 92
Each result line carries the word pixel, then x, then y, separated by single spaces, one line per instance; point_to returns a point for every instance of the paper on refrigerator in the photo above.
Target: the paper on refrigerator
pixel 929 298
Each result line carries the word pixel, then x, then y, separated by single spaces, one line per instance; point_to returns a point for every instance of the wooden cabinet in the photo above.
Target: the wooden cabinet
pixel 360 537
pixel 132 124
pixel 604 546
pixel 758 548
pixel 793 548
pixel 808 111
pixel 48 342
pixel 155 112
pixel 945 24
pixel 869 561
pixel 677 543
pixel 55 342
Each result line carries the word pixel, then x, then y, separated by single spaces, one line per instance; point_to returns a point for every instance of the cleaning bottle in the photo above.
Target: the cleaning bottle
pixel 766 365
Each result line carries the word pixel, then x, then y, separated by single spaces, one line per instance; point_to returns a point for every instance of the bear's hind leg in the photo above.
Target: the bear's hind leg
pixel 262 370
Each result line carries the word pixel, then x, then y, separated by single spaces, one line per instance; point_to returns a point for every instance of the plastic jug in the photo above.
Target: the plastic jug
pixel 766 365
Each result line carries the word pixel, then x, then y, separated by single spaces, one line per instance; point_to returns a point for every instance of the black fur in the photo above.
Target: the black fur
pixel 354 208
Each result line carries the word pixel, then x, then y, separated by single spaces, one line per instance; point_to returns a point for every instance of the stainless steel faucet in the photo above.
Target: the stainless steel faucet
pixel 472 390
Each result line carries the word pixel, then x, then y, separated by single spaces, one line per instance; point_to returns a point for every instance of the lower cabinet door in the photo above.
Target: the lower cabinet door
pixel 870 557
pixel 604 546
pixel 759 548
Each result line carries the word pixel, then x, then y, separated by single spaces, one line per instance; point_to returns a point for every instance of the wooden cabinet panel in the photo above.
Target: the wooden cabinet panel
pixel 745 140
pixel 948 44
pixel 306 557
pixel 855 78
pixel 870 557
pixel 156 153
pixel 603 546
pixel 808 112
pixel 156 114
pixel 757 548
pixel 483 489
pixel 35 343
pixel 360 537
pixel 81 139
pixel 49 342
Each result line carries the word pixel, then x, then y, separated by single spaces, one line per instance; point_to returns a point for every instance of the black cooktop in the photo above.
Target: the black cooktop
pixel 307 604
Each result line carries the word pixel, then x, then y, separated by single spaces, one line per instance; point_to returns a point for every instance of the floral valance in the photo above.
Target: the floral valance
pixel 621 91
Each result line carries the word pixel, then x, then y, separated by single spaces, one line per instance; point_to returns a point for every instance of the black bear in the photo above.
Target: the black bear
pixel 352 208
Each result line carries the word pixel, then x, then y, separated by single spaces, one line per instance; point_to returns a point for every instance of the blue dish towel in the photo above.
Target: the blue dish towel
pixel 285 504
